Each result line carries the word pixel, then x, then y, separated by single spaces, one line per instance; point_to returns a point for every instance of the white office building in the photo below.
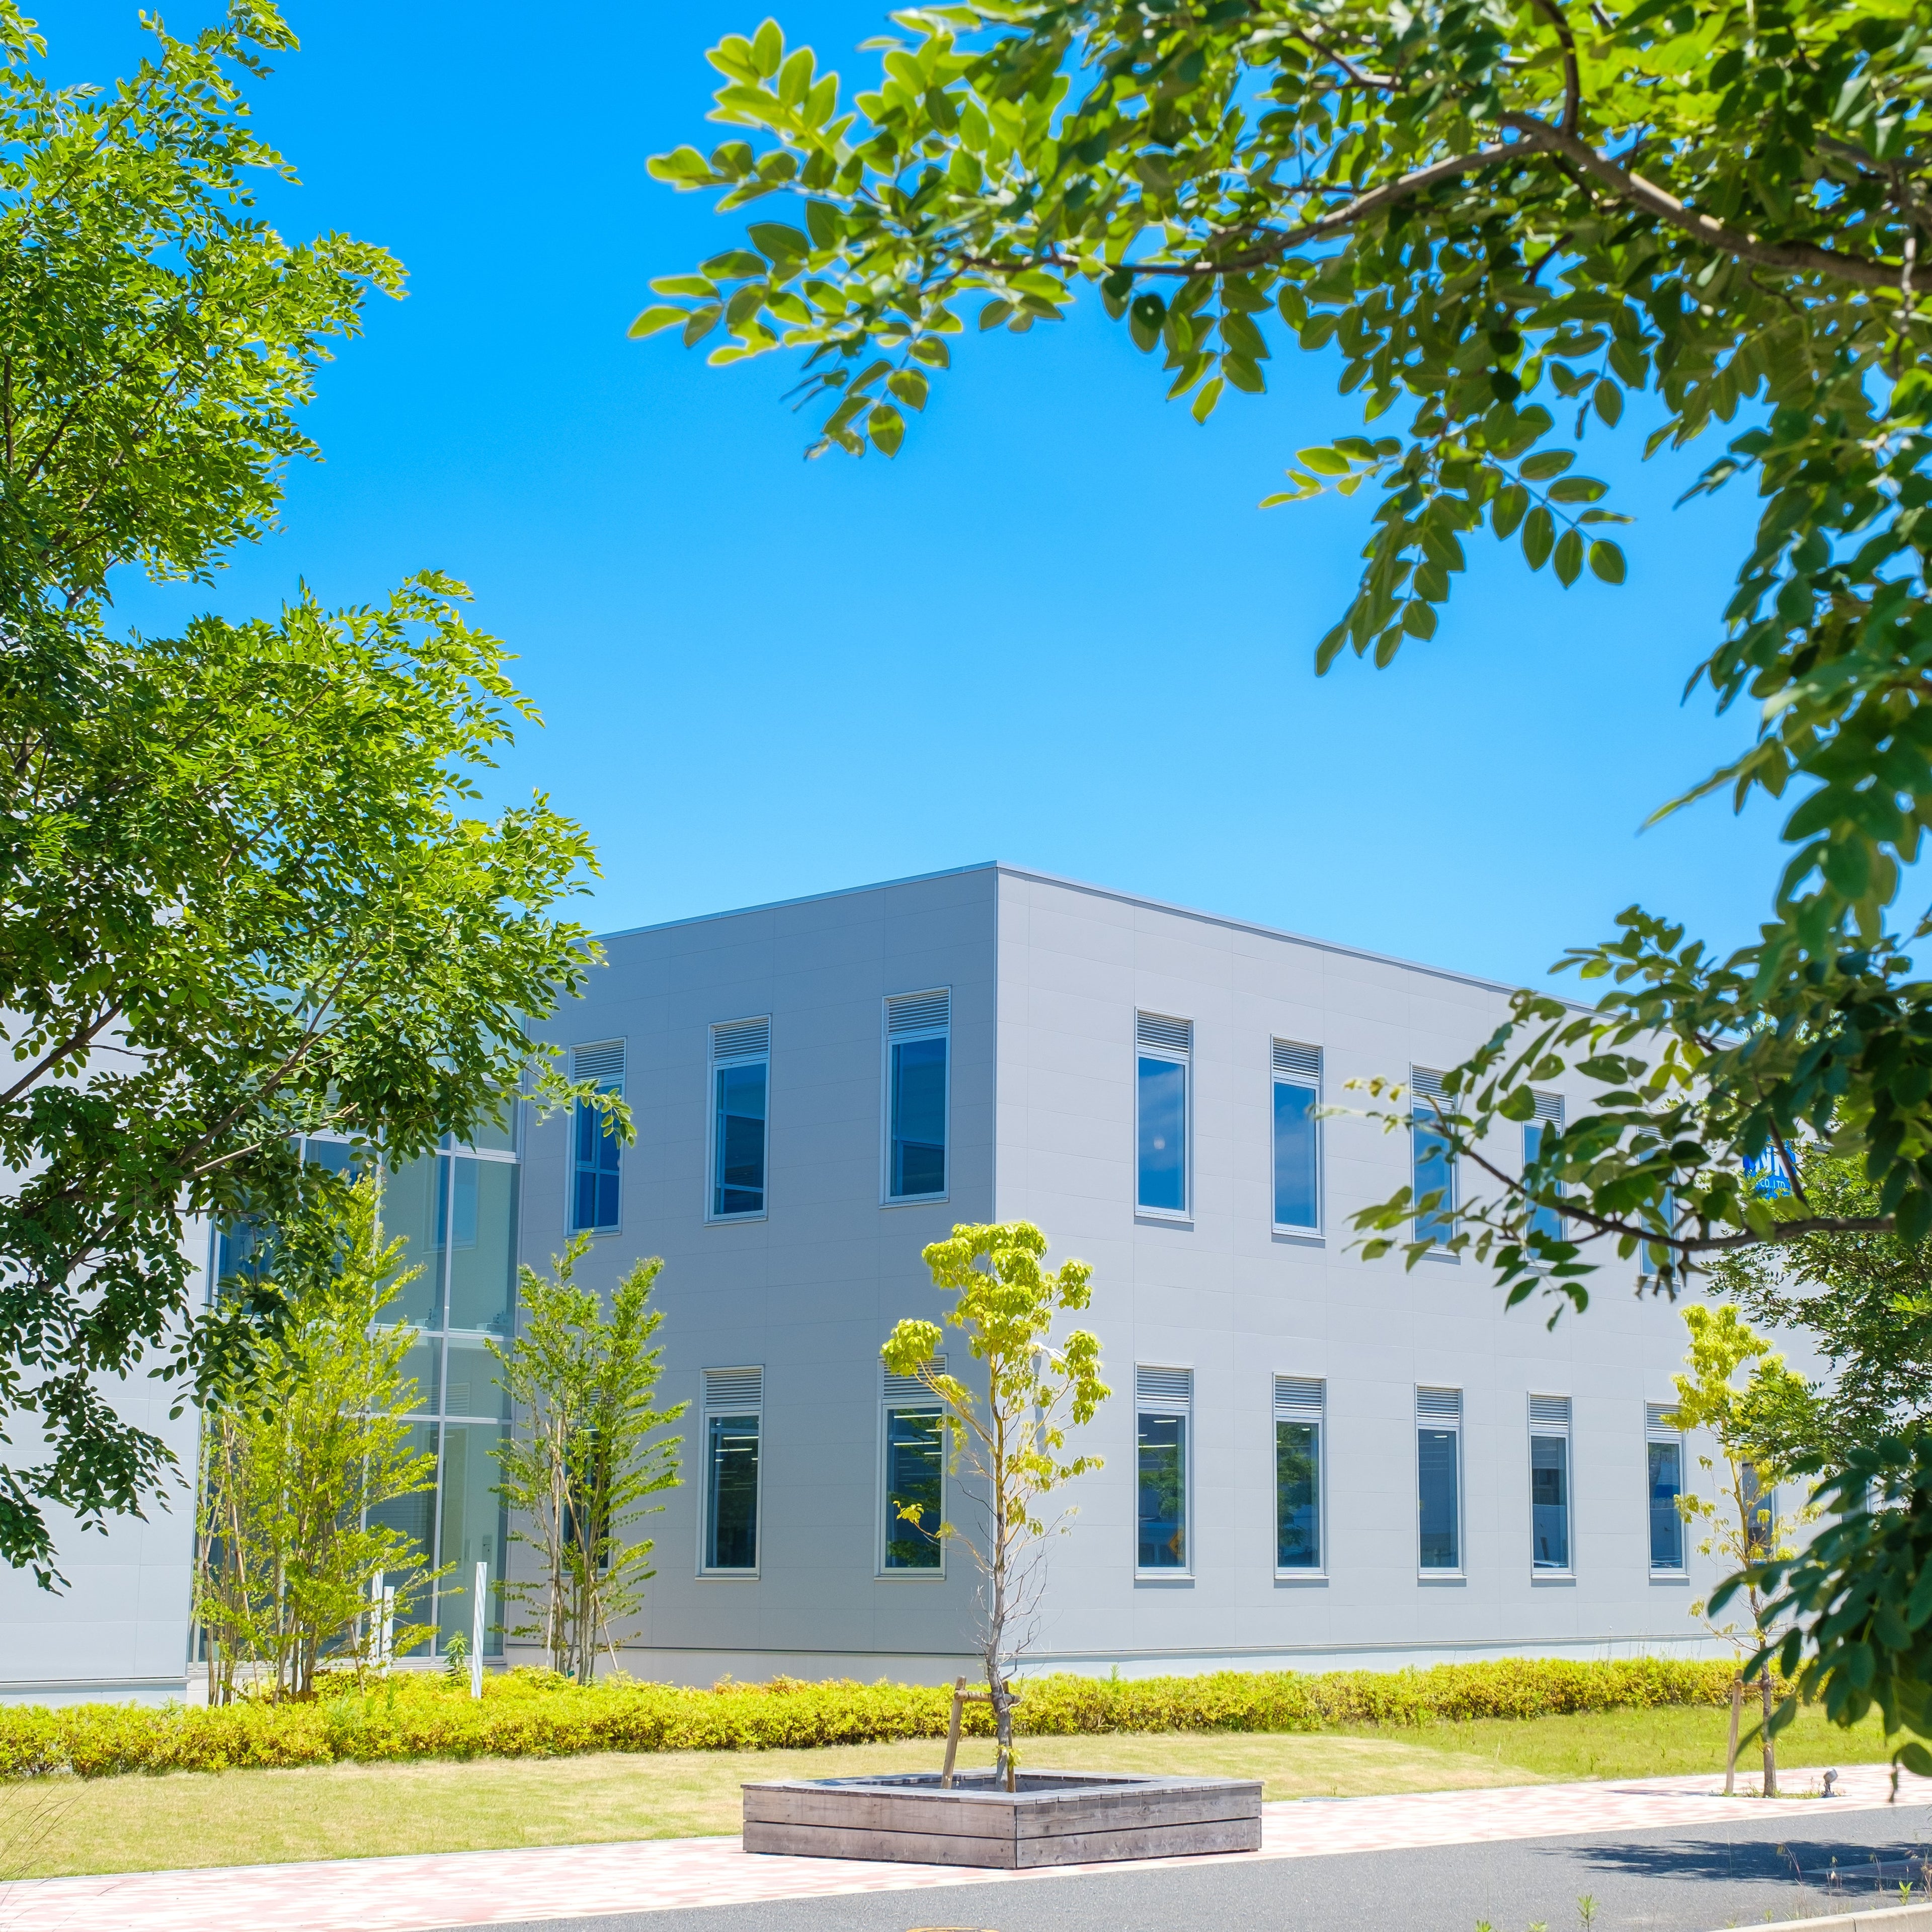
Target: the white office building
pixel 1311 1462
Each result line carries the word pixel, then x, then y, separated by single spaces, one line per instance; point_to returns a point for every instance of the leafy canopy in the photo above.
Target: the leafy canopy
pixel 246 892
pixel 1510 220
pixel 1011 1443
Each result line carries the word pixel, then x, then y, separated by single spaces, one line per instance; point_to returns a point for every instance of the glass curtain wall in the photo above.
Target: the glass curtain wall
pixel 456 1210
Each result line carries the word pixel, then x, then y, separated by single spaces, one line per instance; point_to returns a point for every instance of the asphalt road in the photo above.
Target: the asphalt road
pixel 1703 1879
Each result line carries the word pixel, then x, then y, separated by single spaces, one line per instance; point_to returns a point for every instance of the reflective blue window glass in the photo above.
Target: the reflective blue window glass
pixel 1162 1109
pixel 1549 1501
pixel 918 1118
pixel 915 1459
pixel 731 1497
pixel 1438 1499
pixel 1667 1485
pixel 1163 1542
pixel 738 1154
pixel 1434 1174
pixel 1297 1494
pixel 1546 1221
pixel 1295 1203
pixel 596 1174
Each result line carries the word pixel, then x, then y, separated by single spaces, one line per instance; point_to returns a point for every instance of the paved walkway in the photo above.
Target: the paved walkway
pixel 434 1891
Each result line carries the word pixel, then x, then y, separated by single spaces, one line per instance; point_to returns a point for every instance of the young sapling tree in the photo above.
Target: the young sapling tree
pixel 1011 1445
pixel 583 1456
pixel 1743 1526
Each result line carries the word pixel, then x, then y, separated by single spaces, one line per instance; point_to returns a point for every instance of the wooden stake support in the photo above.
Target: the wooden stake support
pixel 962 1697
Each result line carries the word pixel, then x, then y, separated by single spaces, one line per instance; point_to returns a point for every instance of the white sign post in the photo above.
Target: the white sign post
pixel 476 1608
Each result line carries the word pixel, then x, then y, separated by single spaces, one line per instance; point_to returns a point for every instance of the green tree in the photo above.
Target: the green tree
pixel 1513 222
pixel 295 1467
pixel 1743 1524
pixel 245 890
pixel 1866 1300
pixel 1010 1445
pixel 582 1455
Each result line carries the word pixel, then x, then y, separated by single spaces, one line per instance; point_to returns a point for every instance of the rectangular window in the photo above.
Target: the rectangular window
pixel 1297 1473
pixel 1549 1482
pixel 596 1164
pixel 1162 1050
pixel 1547 1221
pixel 740 1069
pixel 733 1411
pixel 1663 1447
pixel 914 1489
pixel 1298 1179
pixel 1435 1177
pixel 918 1040
pixel 1165 1400
pixel 1761 1514
pixel 1438 1477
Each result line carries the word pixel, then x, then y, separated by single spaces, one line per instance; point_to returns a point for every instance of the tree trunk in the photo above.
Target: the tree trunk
pixel 1731 1755
pixel 1770 1744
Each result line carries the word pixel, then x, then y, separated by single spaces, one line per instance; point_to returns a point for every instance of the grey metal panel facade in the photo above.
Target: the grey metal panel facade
pixel 1046 978
pixel 808 1292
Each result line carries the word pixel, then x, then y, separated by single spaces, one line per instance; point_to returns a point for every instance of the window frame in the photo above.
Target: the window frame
pixel 1277 1079
pixel 1280 1412
pixel 606 1083
pixel 1659 1426
pixel 1459 1571
pixel 893 1402
pixel 714 1065
pixel 1166 1408
pixel 888 1040
pixel 709 1407
pixel 1566 1570
pixel 1184 1060
pixel 1550 1112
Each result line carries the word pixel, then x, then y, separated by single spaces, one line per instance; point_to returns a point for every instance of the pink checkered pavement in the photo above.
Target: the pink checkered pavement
pixel 473 1889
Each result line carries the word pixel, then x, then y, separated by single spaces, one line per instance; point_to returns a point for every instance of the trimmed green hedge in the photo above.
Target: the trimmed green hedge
pixel 534 1714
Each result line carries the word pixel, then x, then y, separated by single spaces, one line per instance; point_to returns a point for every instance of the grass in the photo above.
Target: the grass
pixel 56 1827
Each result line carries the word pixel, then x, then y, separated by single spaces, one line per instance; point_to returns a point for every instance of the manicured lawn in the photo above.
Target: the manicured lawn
pixel 245 1817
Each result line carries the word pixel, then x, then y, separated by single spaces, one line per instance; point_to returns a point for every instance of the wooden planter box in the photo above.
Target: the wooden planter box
pixel 1055 1818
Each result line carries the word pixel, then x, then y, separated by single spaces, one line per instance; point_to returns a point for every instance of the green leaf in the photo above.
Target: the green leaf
pixel 781 243
pixel 887 427
pixel 1606 560
pixel 909 386
pixel 1418 619
pixel 652 320
pixel 1609 400
pixel 700 322
pixel 995 312
pixel 1325 462
pixel 734 265
pixel 1546 463
pixel 1210 394
pixel 1569 556
pixel 1512 500
pixel 1539 534
pixel 1576 490
pixel 768 48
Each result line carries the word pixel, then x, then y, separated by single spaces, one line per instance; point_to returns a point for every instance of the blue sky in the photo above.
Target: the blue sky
pixel 1056 631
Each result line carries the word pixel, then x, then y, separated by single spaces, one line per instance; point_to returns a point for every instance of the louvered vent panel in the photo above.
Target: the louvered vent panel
pixel 1549 1107
pixel 1299 1397
pixel 1438 1404
pixel 741 1040
pixel 1164 1036
pixel 1297 1062
pixel 918 1012
pixel 1425 1083
pixel 1550 1412
pixel 734 1388
pixel 909 1388
pixel 602 1061
pixel 1173 1386
pixel 1660 1418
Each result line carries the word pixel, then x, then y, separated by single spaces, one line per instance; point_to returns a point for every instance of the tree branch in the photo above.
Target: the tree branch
pixel 1573 83
pixel 1798 257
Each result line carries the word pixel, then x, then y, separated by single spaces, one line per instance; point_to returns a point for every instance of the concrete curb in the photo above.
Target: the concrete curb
pixel 1886 1918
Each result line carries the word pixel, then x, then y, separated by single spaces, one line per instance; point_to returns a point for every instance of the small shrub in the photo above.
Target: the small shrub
pixel 537 1714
